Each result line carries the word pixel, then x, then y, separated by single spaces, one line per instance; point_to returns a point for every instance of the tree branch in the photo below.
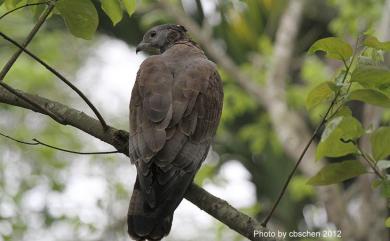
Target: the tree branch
pixel 23 6
pixel 28 39
pixel 224 212
pixel 37 142
pixel 60 76
pixel 216 207
pixel 42 109
pixel 74 152
pixel 15 56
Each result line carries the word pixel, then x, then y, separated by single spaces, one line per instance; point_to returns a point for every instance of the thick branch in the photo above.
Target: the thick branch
pixel 70 117
pixel 31 102
pixel 60 76
pixel 216 207
pixel 224 212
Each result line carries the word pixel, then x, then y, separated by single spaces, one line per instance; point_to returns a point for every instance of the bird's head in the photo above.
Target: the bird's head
pixel 162 37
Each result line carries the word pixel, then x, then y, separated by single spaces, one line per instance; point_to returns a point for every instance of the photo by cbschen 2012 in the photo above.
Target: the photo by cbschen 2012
pixel 192 120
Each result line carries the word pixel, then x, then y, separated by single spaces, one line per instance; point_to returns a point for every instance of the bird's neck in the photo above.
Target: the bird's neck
pixel 185 41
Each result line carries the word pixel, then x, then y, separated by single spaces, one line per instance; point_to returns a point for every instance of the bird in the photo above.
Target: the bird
pixel 175 108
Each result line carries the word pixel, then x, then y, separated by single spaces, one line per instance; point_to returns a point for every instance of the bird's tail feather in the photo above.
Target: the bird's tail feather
pixel 143 222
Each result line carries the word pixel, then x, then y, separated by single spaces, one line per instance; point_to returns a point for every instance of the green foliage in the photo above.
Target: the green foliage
pixel 319 94
pixel 373 42
pixel 113 10
pixel 369 83
pixel 387 222
pixel 341 127
pixel 80 17
pixel 299 190
pixel 380 143
pixel 385 191
pixel 314 71
pixel 130 6
pixel 371 96
pixel 337 172
pixel 354 17
pixel 364 80
pixel 204 173
pixel 11 3
pixel 371 76
pixel 334 48
pixel 256 137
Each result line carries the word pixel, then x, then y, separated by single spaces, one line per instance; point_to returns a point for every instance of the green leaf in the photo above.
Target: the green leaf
pixel 386 189
pixel 335 48
pixel 1 2
pixel 344 111
pixel 387 222
pixel 205 172
pixel 9 4
pixel 80 16
pixel 130 6
pixel 380 143
pixel 371 96
pixel 113 10
pixel 371 76
pixel 341 127
pixel 337 172
pixel 298 188
pixel 319 94
pixel 373 42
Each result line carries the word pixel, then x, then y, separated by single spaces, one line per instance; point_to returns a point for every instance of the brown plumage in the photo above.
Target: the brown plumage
pixel 175 108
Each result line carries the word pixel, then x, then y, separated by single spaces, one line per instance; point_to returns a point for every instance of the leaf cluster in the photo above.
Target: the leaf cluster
pixel 81 16
pixel 365 79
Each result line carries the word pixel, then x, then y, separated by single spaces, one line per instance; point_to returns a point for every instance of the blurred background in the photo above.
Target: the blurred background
pixel 259 46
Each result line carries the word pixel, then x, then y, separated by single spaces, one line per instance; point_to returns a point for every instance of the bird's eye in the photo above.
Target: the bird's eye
pixel 153 34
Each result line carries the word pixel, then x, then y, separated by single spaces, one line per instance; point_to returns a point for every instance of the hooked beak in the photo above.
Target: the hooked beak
pixel 142 46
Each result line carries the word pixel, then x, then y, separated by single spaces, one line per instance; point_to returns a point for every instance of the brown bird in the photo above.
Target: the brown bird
pixel 175 107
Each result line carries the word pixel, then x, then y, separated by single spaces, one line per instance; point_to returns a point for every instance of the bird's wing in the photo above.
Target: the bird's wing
pixel 172 122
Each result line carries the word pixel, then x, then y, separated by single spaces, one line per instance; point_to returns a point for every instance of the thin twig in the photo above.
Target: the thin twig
pixel 75 152
pixel 290 176
pixel 33 103
pixel 23 6
pixel 19 141
pixel 38 142
pixel 366 157
pixel 14 57
pixel 369 161
pixel 60 76
pixel 28 39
